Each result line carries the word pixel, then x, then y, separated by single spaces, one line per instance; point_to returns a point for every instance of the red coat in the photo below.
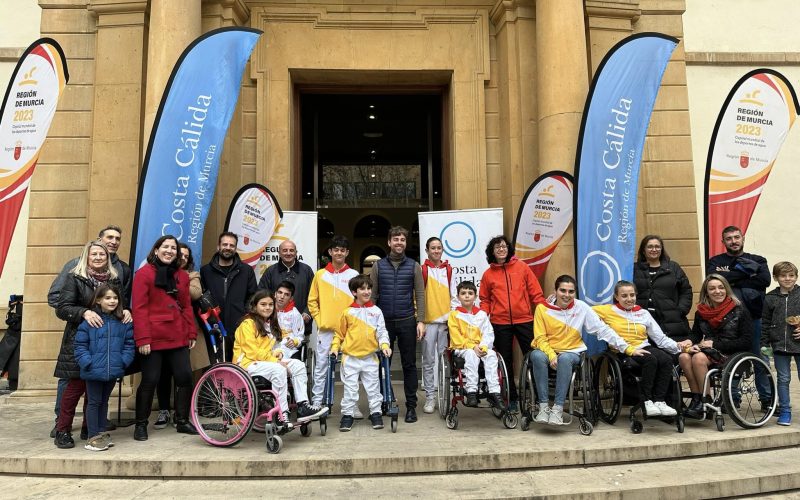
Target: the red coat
pixel 159 319
pixel 510 292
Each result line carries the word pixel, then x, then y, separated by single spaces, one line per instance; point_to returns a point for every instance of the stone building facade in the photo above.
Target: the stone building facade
pixel 513 76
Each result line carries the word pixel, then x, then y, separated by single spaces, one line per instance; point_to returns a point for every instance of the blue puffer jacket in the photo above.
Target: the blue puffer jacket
pixel 104 353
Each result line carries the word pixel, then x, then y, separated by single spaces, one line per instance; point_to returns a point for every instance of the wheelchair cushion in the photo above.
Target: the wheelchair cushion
pixel 261 383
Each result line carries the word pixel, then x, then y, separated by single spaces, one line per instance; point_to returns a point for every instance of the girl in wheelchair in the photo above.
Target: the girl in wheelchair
pixel 722 327
pixel 257 349
pixel 638 328
pixel 557 344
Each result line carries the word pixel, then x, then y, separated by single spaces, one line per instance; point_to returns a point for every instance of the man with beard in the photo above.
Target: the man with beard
pixel 290 269
pixel 748 275
pixel 231 282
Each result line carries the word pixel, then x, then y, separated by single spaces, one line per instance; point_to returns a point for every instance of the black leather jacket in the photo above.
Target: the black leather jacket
pixel 731 337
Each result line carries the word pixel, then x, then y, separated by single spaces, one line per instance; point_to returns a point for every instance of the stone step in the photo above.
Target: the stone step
pixel 702 477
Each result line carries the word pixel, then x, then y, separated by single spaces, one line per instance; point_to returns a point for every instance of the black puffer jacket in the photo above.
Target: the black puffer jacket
pixel 775 331
pixel 232 291
pixel 74 299
pixel 667 295
pixel 731 337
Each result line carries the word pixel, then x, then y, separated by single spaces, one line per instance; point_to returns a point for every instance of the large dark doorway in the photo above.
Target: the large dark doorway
pixel 371 161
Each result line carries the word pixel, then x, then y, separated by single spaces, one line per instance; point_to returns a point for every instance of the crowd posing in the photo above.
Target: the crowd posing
pixel 120 322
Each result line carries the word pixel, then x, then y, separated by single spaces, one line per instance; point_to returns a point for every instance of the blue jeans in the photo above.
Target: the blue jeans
pixel 566 363
pixel 97 394
pixel 62 384
pixel 783 365
pixel 762 382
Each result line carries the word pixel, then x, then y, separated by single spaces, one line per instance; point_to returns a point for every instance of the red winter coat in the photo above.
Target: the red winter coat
pixel 510 292
pixel 159 319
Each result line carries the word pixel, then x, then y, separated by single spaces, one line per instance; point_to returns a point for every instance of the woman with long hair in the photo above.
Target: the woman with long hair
pixel 164 330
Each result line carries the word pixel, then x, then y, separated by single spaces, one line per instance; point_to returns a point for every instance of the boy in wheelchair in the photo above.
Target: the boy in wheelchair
pixel 360 333
pixel 471 338
pixel 257 350
pixel 289 319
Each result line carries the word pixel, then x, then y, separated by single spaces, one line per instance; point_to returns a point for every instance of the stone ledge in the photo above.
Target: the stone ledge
pixel 742 58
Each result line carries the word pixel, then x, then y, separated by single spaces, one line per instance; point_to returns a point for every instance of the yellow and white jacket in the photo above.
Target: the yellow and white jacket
pixel 292 327
pixel 558 330
pixel 330 295
pixel 635 326
pixel 250 346
pixel 439 291
pixel 470 328
pixel 361 331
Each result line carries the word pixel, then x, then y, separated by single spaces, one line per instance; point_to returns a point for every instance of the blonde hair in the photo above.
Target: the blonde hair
pixel 83 262
pixel 705 299
pixel 783 267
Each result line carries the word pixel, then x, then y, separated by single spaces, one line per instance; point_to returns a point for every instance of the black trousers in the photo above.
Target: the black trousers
pixel 404 331
pixel 504 343
pixel 656 373
pixel 178 360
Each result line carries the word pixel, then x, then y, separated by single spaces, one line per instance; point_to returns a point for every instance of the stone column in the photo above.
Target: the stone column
pixel 561 87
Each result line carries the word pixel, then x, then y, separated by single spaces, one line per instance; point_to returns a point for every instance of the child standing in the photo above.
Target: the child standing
pixel 103 353
pixel 361 332
pixel 438 278
pixel 289 319
pixel 256 348
pixel 471 338
pixel 781 331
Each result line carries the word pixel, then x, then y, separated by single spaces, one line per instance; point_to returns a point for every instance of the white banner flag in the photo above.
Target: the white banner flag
pixel 301 228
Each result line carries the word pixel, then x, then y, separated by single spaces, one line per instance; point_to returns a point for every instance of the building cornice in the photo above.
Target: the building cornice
pixel 743 58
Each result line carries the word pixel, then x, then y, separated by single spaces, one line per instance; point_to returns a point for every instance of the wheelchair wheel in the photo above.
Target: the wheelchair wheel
pixel 720 421
pixel 586 427
pixel 445 389
pixel 607 388
pixel 323 426
pixel 527 394
pixel 587 391
pixel 305 430
pixel 311 365
pixel 502 377
pixel 224 405
pixel 740 395
pixel 393 424
pixel 636 426
pixel 680 423
pixel 452 419
pixel 274 444
pixel 510 420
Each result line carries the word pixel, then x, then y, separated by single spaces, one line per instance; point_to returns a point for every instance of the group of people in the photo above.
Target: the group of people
pixel 113 319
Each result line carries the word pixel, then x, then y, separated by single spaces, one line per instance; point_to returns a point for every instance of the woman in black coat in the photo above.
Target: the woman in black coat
pixel 74 307
pixel 662 288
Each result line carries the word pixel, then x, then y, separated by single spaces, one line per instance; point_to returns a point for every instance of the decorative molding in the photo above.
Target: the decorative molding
pixel 237 10
pixel 11 54
pixel 617 10
pixel 743 58
pixel 118 6
pixel 509 11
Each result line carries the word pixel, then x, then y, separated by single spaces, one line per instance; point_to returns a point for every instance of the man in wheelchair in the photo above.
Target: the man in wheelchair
pixel 471 338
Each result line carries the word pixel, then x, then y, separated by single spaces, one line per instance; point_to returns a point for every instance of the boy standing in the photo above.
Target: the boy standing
pixel 289 319
pixel 361 332
pixel 781 332
pixel 471 337
pixel 438 278
pixel 329 296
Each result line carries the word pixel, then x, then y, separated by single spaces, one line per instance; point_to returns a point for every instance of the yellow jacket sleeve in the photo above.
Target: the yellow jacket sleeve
pixel 339 334
pixel 540 334
pixel 313 298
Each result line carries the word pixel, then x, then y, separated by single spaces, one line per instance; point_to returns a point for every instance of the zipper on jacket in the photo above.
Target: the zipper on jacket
pixel 508 290
pixel 108 350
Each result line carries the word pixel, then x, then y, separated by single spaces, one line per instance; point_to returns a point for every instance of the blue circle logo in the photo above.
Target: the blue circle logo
pixel 458 239
pixel 604 270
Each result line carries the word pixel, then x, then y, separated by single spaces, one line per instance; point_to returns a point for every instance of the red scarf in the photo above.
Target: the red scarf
pixel 714 315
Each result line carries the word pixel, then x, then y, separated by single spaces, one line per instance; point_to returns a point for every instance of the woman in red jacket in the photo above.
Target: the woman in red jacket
pixel 164 331
pixel 509 293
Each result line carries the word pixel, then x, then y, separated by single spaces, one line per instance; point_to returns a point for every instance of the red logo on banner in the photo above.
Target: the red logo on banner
pixel 17 150
pixel 537 236
pixel 246 240
pixel 744 160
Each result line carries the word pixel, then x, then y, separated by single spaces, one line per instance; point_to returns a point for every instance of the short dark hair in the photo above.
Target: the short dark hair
pixel 339 241
pixel 642 256
pixel 151 257
pixel 227 233
pixel 287 285
pixel 565 278
pixel 490 258
pixel 430 240
pixel 111 227
pixel 622 283
pixel 190 259
pixel 468 285
pixel 359 281
pixel 731 229
pixel 398 231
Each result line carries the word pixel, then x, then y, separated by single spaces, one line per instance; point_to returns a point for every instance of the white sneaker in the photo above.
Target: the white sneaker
pixel 651 410
pixel 430 405
pixel 666 410
pixel 556 416
pixel 543 416
pixel 357 414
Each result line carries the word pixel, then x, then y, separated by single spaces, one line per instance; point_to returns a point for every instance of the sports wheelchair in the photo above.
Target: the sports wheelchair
pixel 580 400
pixel 732 390
pixel 610 379
pixel 389 405
pixel 451 389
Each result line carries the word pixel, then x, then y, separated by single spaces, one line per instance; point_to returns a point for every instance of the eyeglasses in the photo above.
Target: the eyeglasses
pixel 653 247
pixel 500 246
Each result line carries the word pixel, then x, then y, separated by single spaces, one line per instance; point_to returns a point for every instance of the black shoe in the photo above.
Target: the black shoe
pixel 696 408
pixel 53 432
pixel 111 426
pixel 185 427
pixel 346 423
pixel 84 433
pixel 140 432
pixel 411 415
pixel 64 440
pixel 496 401
pixel 472 400
pixel 377 420
pixel 307 412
